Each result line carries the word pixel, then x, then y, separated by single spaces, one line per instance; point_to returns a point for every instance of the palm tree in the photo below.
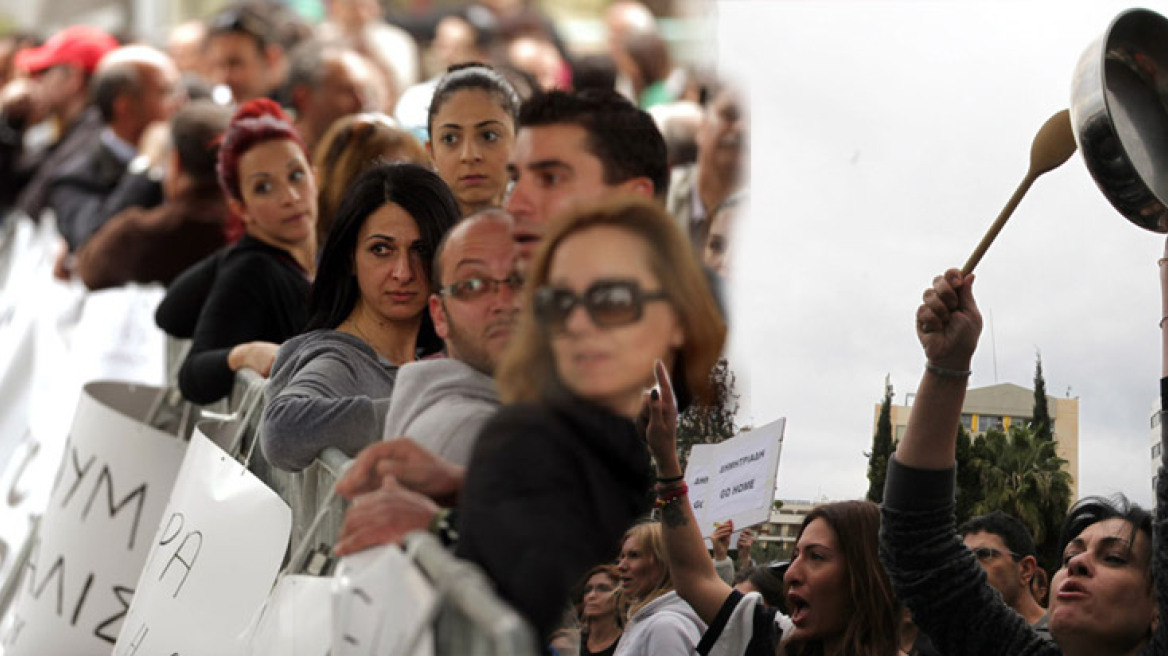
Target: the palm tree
pixel 1023 476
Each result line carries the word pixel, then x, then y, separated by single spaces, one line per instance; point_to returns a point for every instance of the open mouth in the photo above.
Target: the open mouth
pixel 799 610
pixel 526 238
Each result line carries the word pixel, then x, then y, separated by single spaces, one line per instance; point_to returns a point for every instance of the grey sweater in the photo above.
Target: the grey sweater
pixel 327 388
pixel 441 404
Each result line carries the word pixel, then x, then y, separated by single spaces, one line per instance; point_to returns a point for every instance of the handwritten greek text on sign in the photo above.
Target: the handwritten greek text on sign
pixel 215 556
pixel 736 478
pixel 108 494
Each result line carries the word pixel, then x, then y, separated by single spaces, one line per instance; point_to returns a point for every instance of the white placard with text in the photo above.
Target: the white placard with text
pixel 213 561
pixel 107 498
pixel 735 479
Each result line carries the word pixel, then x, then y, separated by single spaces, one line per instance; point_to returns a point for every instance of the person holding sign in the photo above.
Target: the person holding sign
pixel 256 295
pixel 840 598
pixel 1111 595
pixel 561 473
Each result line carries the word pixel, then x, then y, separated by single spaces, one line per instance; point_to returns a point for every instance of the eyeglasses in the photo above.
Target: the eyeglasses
pixel 986 554
pixel 609 303
pixel 473 289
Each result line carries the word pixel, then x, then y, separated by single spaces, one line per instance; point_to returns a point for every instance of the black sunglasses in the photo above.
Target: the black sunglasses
pixel 609 303
pixel 473 289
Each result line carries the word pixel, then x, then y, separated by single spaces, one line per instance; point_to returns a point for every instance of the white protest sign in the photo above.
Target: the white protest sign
pixel 116 337
pixel 16 517
pixel 17 346
pixel 735 479
pixel 213 561
pixel 108 495
pixel 294 620
pixel 380 602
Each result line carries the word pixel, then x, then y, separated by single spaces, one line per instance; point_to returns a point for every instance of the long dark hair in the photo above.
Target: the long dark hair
pixel 874 614
pixel 424 196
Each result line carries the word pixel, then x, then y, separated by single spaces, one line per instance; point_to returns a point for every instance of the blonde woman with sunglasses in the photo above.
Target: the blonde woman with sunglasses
pixel 560 473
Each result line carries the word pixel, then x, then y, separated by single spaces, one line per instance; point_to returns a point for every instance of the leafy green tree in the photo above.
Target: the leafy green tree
pixel 881 447
pixel 1043 429
pixel 1022 475
pixel 712 423
pixel 970 462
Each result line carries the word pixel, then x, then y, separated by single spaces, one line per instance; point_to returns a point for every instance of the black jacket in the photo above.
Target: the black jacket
pixel 91 188
pixel 550 490
pixel 258 293
pixel 26 174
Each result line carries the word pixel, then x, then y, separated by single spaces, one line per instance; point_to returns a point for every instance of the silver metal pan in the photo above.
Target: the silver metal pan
pixel 1119 112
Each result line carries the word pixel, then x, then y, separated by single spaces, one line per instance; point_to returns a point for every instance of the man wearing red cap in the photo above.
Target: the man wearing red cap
pixel 55 90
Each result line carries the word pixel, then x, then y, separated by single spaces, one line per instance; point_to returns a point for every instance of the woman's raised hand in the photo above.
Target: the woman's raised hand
pixel 948 321
pixel 659 421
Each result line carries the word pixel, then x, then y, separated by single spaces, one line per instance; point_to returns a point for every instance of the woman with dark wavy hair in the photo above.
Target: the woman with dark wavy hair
pixel 367 316
pixel 839 596
pixel 1111 594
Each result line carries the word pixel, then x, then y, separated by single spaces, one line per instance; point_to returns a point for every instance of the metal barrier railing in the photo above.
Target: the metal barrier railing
pixel 471 619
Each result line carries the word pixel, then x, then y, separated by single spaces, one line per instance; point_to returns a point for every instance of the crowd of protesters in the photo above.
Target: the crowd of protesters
pixel 494 284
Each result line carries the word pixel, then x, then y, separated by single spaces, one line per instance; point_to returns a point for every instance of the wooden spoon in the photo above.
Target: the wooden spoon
pixel 1053 145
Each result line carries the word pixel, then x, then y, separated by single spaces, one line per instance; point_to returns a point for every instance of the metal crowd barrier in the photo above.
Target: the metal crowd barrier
pixel 471 619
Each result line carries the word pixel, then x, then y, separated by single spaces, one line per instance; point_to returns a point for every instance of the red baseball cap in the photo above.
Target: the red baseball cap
pixel 79 45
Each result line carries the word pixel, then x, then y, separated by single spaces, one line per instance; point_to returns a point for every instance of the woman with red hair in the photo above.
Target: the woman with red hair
pixel 258 294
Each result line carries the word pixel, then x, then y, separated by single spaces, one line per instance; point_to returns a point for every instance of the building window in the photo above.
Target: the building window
pixel 1156 450
pixel 986 422
pixel 967 421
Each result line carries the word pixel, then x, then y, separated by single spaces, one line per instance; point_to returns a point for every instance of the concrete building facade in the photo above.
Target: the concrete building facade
pixel 1004 405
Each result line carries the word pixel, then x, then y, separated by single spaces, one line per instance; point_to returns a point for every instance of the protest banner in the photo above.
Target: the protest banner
pixel 213 560
pixel 108 495
pixel 735 479
pixel 380 604
pixel 297 618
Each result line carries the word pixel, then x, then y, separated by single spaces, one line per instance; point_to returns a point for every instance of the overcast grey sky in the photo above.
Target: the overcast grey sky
pixel 886 138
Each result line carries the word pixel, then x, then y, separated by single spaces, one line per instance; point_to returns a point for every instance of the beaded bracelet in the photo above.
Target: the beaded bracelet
pixel 669 496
